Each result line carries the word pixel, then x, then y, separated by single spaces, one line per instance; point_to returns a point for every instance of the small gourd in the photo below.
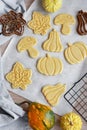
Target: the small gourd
pixel 53 44
pixel 70 121
pixel 49 65
pixel 51 5
pixel 40 117
pixel 75 53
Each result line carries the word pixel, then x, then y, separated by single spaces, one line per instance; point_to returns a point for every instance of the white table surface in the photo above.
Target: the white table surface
pixel 22 123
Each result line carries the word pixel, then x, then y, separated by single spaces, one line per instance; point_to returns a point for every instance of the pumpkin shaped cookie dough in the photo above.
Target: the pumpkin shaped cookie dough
pixel 53 93
pixel 65 20
pixel 70 121
pixel 40 23
pixel 53 43
pixel 19 77
pixel 27 43
pixel 51 5
pixel 75 53
pixel 49 65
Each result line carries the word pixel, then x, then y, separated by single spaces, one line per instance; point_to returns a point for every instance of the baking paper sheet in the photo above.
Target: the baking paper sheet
pixel 70 74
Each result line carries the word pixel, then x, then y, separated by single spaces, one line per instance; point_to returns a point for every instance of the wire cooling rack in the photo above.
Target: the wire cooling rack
pixel 77 97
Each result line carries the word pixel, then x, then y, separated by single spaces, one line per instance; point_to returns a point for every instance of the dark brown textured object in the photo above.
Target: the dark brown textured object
pixel 12 23
pixel 82 22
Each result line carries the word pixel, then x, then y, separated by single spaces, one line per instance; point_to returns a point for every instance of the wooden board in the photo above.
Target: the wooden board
pixel 19 99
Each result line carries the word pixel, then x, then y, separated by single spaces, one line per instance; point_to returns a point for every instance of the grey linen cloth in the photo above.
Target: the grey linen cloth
pixel 9 111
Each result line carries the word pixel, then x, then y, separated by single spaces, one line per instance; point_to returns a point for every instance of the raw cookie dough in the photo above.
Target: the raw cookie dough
pixel 49 65
pixel 65 20
pixel 27 43
pixel 53 43
pixel 53 93
pixel 40 23
pixel 75 53
pixel 19 77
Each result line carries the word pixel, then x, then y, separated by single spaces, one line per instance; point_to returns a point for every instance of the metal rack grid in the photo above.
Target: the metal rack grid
pixel 77 97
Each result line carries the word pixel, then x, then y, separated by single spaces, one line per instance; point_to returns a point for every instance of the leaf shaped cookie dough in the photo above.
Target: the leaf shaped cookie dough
pixel 27 43
pixel 53 93
pixel 19 77
pixel 53 44
pixel 75 53
pixel 40 23
pixel 49 65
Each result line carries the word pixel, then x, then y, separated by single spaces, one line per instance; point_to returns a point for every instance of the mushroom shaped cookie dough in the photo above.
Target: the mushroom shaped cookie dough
pixel 27 43
pixel 65 20
pixel 40 23
pixel 19 77
pixel 53 93
pixel 49 65
pixel 53 44
pixel 75 53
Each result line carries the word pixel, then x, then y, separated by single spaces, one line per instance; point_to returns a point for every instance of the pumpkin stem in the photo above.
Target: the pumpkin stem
pixel 71 123
pixel 47 55
pixel 53 29
pixel 69 44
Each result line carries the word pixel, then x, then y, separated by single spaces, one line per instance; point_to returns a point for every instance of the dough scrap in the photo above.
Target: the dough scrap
pixel 40 23
pixel 19 77
pixel 53 93
pixel 53 44
pixel 27 43
pixel 75 53
pixel 49 65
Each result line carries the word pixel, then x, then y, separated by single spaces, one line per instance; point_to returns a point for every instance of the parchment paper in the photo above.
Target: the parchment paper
pixel 70 74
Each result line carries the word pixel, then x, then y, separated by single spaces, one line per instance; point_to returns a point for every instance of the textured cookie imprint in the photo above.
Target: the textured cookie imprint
pixel 53 93
pixel 49 65
pixel 65 20
pixel 19 77
pixel 75 53
pixel 53 44
pixel 40 23
pixel 27 44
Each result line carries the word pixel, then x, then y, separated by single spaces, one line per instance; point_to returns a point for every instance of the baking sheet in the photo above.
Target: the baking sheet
pixel 70 74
